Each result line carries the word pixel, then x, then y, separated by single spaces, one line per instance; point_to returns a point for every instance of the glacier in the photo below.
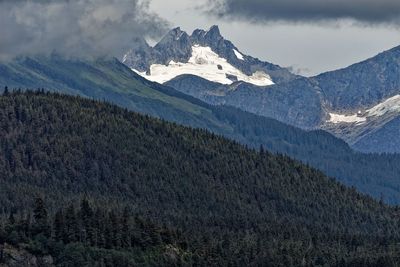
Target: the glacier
pixel 207 64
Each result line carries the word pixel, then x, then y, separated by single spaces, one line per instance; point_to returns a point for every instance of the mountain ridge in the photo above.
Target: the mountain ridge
pixel 177 46
pixel 116 83
pixel 312 103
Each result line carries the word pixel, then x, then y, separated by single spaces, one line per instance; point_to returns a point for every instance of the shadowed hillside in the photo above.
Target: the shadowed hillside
pixel 233 205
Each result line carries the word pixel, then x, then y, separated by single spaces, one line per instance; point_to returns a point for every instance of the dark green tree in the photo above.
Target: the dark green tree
pixel 6 92
pixel 40 215
pixel 72 231
pixel 126 232
pixel 59 226
pixel 86 216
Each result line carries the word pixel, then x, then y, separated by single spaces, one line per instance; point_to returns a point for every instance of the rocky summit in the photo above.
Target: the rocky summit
pixel 177 47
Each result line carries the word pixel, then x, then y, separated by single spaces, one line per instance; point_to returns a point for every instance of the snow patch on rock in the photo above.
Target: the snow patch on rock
pixel 206 64
pixel 337 118
pixel 390 105
pixel 238 54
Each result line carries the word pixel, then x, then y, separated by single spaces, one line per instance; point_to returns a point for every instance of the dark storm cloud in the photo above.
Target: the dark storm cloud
pixel 76 28
pixel 309 11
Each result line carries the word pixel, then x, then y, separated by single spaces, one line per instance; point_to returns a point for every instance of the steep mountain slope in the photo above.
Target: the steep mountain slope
pixel 369 130
pixel 345 102
pixel 370 90
pixel 297 102
pixel 235 206
pixel 114 82
pixel 109 80
pixel 383 139
pixel 364 84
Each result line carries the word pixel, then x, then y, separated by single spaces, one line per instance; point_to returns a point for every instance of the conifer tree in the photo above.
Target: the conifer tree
pixel 11 219
pixel 59 225
pixel 125 235
pixel 99 224
pixel 86 216
pixel 41 225
pixel 6 92
pixel 71 223
pixel 116 229
pixel 26 225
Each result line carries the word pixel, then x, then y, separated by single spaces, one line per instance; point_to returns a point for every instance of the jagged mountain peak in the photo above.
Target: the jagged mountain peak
pixel 214 28
pixel 175 35
pixel 177 29
pixel 210 37
pixel 214 32
pixel 198 33
pixel 202 37
pixel 205 53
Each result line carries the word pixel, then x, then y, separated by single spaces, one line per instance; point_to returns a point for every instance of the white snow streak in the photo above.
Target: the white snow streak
pixel 390 105
pixel 337 118
pixel 238 54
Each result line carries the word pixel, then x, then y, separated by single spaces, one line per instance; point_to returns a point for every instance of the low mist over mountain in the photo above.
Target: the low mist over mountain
pixel 124 143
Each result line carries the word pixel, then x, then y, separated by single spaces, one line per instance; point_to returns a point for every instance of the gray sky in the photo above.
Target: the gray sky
pixel 310 37
pixel 310 44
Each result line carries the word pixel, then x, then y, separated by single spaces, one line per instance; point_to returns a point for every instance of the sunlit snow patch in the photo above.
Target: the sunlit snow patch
pixel 205 64
pixel 390 105
pixel 337 118
pixel 238 54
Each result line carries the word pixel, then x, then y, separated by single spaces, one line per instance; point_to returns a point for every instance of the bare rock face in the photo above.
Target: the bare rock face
pixel 297 103
pixel 17 257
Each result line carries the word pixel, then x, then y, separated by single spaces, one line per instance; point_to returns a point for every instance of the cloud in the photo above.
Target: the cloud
pixel 370 12
pixel 299 70
pixel 74 28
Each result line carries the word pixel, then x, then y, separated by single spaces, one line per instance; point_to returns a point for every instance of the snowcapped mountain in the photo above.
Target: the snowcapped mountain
pixel 205 54
pixel 206 64
pixel 363 102
pixel 360 103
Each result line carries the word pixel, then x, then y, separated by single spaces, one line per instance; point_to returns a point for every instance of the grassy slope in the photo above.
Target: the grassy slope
pixel 107 80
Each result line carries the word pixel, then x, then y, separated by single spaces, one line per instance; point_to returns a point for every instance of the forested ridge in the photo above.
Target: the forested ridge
pixel 232 206
pixel 374 174
pixel 110 80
